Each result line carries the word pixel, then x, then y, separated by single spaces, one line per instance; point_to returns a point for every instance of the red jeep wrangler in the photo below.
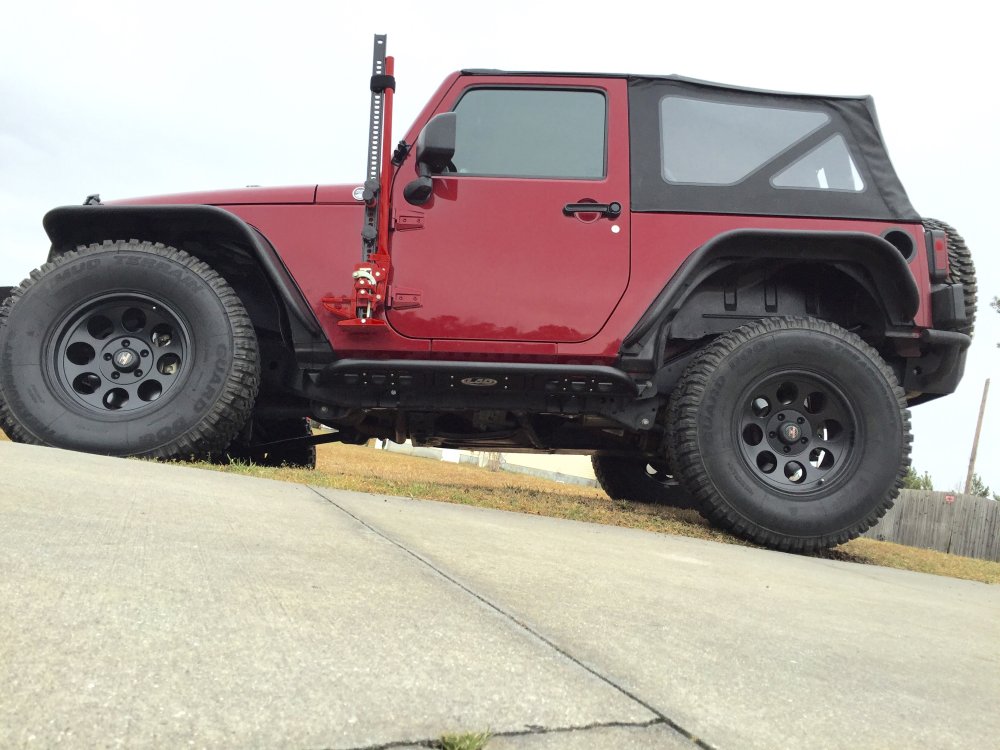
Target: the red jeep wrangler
pixel 723 295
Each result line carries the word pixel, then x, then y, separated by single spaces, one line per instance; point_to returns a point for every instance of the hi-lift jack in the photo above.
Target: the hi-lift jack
pixel 371 275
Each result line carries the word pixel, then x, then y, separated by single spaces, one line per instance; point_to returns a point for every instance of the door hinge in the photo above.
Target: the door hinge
pixel 406 222
pixel 403 298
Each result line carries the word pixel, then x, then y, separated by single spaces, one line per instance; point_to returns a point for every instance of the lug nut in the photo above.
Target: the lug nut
pixel 786 449
pixel 772 434
pixel 781 417
pixel 115 376
pixel 804 441
pixel 144 353
pixel 126 342
pixel 107 357
pixel 801 420
pixel 138 373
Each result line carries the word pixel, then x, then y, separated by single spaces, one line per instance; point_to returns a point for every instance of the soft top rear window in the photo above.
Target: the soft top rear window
pixel 718 143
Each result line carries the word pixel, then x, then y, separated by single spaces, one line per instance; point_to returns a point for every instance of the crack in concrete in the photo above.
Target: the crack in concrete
pixel 661 717
pixel 531 731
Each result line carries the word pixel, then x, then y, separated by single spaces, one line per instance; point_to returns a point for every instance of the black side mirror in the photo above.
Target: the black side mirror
pixel 435 148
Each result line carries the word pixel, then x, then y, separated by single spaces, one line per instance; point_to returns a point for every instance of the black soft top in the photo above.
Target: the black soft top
pixel 707 128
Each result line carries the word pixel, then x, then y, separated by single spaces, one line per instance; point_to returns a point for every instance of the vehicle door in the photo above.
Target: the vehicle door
pixel 500 252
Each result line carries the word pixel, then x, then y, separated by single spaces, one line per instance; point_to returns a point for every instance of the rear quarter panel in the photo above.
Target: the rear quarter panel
pixel 661 242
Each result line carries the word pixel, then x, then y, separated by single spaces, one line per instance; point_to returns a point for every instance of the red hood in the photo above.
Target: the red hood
pixel 249 196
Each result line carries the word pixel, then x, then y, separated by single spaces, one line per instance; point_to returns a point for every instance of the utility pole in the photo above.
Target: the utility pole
pixel 975 443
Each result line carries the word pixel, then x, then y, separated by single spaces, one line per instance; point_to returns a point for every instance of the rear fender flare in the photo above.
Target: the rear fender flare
pixel 869 259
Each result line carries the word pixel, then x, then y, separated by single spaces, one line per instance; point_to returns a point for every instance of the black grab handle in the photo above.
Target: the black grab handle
pixel 611 210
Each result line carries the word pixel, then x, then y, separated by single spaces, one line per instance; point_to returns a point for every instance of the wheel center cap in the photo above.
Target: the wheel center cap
pixel 790 432
pixel 125 360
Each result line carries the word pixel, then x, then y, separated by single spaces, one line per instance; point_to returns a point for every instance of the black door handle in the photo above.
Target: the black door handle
pixel 612 210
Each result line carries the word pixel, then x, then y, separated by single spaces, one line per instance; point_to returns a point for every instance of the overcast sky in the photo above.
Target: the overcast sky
pixel 139 98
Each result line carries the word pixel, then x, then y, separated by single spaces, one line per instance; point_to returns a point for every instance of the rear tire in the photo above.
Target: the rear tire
pixel 637 481
pixel 126 349
pixel 790 432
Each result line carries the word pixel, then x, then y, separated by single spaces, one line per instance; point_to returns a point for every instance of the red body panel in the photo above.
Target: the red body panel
pixel 320 245
pixel 521 273
pixel 337 194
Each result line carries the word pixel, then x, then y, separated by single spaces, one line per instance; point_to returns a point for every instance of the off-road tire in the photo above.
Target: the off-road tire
pixel 739 404
pixel 637 481
pixel 126 348
pixel 962 271
pixel 267 430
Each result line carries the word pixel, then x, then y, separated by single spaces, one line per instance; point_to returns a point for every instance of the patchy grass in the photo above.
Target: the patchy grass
pixel 466 741
pixel 382 472
pixel 890 555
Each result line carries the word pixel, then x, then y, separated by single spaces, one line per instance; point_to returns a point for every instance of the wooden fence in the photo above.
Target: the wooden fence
pixel 947 521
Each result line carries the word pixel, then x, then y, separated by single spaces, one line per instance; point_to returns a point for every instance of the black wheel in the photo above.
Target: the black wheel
pixel 790 432
pixel 637 480
pixel 126 348
pixel 962 271
pixel 268 430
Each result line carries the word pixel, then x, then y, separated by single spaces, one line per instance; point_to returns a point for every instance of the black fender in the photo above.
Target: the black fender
pixel 869 259
pixel 210 233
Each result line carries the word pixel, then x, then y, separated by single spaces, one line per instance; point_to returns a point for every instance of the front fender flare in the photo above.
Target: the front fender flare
pixel 68 227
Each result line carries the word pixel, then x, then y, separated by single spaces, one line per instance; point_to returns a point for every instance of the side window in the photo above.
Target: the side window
pixel 829 166
pixel 531 133
pixel 716 143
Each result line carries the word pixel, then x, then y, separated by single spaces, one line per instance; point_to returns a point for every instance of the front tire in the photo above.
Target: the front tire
pixel 791 432
pixel 126 349
pixel 636 480
pixel 294 456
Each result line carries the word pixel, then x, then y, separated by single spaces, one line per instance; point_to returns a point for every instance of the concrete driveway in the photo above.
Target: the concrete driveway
pixel 148 605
